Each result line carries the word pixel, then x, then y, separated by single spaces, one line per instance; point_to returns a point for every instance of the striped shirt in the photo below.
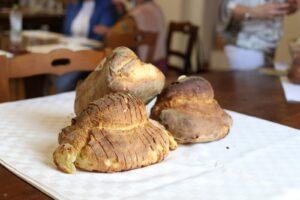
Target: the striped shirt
pixel 262 35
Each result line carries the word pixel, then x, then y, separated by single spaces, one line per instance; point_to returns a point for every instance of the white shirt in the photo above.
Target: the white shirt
pixel 81 24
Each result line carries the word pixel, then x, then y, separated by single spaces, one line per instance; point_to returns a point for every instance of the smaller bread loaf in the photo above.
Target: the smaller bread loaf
pixel 294 73
pixel 188 110
pixel 113 134
pixel 122 71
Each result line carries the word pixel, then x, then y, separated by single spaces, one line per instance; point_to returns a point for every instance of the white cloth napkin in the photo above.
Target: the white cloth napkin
pixel 81 41
pixel 257 160
pixel 52 47
pixel 72 43
pixel 5 53
pixel 291 90
pixel 41 35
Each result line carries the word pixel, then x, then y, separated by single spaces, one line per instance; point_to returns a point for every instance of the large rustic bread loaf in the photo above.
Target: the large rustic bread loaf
pixel 113 134
pixel 189 111
pixel 122 71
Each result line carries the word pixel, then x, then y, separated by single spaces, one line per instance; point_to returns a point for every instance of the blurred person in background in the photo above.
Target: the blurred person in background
pixel 254 29
pixel 80 20
pixel 84 15
pixel 144 15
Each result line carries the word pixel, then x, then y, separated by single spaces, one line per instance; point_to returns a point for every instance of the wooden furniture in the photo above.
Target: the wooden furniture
pixel 30 39
pixel 246 92
pixel 57 62
pixel 191 31
pixel 34 20
pixel 33 85
pixel 134 41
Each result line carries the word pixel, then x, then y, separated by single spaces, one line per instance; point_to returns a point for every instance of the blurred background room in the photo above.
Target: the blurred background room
pixel 191 36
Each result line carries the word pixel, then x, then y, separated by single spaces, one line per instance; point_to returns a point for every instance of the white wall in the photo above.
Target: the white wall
pixel 202 13
pixel 172 9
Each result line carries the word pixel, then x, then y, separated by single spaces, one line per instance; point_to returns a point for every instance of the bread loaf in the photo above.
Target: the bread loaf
pixel 189 111
pixel 113 134
pixel 294 73
pixel 122 71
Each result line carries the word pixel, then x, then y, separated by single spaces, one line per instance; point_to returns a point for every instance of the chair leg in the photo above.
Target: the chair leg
pixel 4 90
pixel 187 66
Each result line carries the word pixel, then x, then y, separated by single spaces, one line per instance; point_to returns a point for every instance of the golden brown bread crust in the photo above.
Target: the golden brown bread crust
pixel 294 73
pixel 188 110
pixel 121 71
pixel 113 134
pixel 189 88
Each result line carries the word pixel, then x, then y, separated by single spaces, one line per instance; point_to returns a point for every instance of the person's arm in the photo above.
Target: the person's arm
pixel 125 25
pixel 262 11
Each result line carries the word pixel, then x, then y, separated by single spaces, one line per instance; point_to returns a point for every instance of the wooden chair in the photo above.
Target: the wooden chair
pixel 57 62
pixel 191 31
pixel 134 41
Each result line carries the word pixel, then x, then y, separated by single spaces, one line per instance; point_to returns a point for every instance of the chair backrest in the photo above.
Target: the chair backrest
pixel 133 41
pixel 191 31
pixel 57 62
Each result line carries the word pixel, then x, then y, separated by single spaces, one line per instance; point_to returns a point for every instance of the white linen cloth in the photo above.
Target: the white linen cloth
pixel 46 35
pixel 47 48
pixel 83 41
pixel 5 53
pixel 257 160
pixel 63 42
pixel 291 90
pixel 41 35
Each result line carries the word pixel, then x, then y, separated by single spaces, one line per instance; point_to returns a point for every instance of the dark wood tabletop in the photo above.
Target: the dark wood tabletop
pixel 34 20
pixel 255 94
pixel 20 48
pixel 250 93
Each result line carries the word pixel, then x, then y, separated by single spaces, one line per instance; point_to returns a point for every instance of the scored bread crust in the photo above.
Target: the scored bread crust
pixel 188 110
pixel 113 134
pixel 122 71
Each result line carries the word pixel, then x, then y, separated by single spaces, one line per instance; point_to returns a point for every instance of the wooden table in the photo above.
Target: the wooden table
pixel 18 85
pixel 20 48
pixel 34 20
pixel 246 92
pixel 255 94
pixel 34 86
